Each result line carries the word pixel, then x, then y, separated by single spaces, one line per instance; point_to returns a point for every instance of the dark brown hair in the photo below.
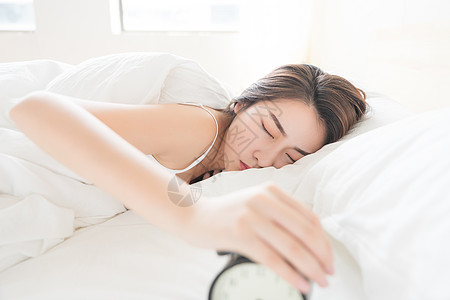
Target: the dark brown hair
pixel 339 104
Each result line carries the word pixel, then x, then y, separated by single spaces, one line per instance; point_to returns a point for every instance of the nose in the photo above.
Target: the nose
pixel 265 157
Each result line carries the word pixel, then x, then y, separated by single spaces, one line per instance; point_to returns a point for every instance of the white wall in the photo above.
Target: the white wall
pixel 75 30
pixel 398 47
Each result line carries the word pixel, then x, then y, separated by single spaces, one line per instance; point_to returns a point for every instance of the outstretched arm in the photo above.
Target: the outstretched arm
pixel 83 143
pixel 262 222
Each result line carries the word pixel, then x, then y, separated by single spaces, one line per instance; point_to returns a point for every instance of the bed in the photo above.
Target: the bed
pixel 382 194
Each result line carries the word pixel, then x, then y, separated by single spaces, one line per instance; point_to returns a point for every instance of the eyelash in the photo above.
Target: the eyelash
pixel 293 161
pixel 264 127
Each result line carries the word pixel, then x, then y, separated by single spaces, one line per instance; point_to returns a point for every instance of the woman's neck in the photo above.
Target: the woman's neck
pixel 215 159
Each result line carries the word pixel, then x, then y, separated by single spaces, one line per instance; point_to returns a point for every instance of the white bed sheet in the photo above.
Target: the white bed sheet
pixel 126 257
pixel 123 258
pixel 32 181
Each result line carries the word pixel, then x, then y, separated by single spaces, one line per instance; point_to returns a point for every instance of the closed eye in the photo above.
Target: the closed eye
pixel 293 161
pixel 262 124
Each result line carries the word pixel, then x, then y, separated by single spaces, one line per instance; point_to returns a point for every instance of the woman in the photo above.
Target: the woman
pixel 290 113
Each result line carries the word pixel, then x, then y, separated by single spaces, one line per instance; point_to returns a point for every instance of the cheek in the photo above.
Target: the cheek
pixel 241 137
pixel 315 137
pixel 321 137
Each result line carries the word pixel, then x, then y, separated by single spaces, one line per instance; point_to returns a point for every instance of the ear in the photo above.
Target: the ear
pixel 237 107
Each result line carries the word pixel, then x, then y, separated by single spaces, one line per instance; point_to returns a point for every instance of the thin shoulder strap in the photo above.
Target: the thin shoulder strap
pixel 199 159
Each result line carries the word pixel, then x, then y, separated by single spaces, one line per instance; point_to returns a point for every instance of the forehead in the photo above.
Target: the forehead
pixel 299 120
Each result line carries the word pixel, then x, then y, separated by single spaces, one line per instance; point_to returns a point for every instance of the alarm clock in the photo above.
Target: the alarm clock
pixel 243 279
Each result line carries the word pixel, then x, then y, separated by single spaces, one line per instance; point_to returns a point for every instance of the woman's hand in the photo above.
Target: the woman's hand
pixel 268 226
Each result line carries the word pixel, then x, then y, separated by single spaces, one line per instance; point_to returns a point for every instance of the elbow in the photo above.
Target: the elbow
pixel 27 105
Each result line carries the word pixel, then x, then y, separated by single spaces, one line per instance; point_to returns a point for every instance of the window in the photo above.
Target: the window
pixel 180 15
pixel 17 15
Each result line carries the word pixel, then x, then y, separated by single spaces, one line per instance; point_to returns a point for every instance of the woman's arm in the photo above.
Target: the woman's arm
pixel 83 143
pixel 262 222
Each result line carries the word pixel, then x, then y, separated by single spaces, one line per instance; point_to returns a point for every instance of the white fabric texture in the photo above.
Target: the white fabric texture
pixel 384 199
pixel 123 258
pixel 27 171
pixel 18 79
pixel 142 78
pixel 385 195
pixel 381 192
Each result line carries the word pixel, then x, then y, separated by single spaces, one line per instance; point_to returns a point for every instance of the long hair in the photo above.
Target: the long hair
pixel 338 103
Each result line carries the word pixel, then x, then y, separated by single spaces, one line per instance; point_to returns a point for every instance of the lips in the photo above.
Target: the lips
pixel 244 166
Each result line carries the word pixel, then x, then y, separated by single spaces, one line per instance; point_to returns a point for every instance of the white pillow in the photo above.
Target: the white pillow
pixel 20 78
pixel 385 195
pixel 382 110
pixel 141 78
pixel 347 282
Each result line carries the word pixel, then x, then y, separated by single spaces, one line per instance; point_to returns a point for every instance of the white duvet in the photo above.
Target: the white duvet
pixel 382 194
pixel 40 199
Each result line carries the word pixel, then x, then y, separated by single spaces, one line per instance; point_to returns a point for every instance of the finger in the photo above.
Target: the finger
pixel 307 213
pixel 292 250
pixel 309 233
pixel 265 255
pixel 291 201
pixel 207 175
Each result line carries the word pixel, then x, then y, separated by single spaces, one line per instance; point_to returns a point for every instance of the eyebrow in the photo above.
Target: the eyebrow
pixel 283 132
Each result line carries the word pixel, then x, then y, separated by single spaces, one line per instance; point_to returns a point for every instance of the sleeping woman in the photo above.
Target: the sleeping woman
pixel 133 151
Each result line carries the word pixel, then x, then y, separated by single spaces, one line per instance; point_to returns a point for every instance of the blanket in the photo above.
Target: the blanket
pixel 381 192
pixel 42 202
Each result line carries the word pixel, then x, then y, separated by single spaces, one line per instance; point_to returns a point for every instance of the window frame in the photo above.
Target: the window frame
pixel 23 29
pixel 120 26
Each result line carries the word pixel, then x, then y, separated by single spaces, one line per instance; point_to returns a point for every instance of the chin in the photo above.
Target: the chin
pixel 233 167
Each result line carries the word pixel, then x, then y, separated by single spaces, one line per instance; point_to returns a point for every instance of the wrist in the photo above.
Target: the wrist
pixel 197 226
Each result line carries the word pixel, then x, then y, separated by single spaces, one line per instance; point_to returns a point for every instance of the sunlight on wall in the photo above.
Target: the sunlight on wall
pixel 400 48
pixel 71 31
pixel 397 47
pixel 273 33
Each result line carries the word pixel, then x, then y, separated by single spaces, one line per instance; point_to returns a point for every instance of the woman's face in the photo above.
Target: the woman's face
pixel 272 134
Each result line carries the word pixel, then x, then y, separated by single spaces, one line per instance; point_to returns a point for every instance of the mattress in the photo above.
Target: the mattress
pixel 381 193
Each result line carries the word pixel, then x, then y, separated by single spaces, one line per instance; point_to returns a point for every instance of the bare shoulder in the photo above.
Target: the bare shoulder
pixel 191 129
pixel 158 129
pixel 161 129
